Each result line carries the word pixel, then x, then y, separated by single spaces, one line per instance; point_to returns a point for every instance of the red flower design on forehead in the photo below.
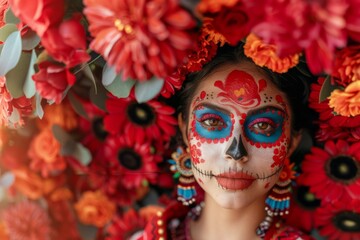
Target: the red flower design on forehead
pixel 241 88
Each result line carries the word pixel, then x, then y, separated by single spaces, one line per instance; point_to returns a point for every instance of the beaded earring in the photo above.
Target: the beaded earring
pixel 181 165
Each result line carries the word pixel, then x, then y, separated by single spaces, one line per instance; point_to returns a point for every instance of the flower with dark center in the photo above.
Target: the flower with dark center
pixel 333 172
pixel 134 160
pixel 152 120
pixel 98 128
pixel 338 220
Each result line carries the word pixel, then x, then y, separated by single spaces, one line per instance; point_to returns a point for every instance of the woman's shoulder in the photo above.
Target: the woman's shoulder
pixel 279 230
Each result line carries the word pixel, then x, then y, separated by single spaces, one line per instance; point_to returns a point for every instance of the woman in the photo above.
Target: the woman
pixel 238 123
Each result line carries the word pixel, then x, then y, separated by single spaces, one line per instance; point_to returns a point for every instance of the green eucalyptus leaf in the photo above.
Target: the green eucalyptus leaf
pixel 10 53
pixel 326 89
pixel 29 84
pixel 89 74
pixel 98 97
pixel 108 75
pixel 7 179
pixel 10 17
pixel 16 78
pixel 30 40
pixel 6 30
pixel 60 134
pixel 77 106
pixel 119 88
pixel 39 109
pixel 82 154
pixel 145 91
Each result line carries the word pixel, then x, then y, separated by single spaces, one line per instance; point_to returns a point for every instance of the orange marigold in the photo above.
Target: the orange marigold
pixel 211 34
pixel 265 55
pixel 95 208
pixel 346 102
pixel 4 235
pixel 347 65
pixel 214 6
pixel 45 154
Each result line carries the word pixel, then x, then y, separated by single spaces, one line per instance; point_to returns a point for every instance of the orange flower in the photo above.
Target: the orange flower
pixel 4 235
pixel 61 194
pixel 60 114
pixel 45 154
pixel 32 185
pixel 265 55
pixel 211 34
pixel 214 6
pixel 95 208
pixel 346 102
pixel 347 65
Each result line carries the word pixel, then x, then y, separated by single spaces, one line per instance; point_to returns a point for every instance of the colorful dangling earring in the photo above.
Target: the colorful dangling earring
pixel 278 201
pixel 181 165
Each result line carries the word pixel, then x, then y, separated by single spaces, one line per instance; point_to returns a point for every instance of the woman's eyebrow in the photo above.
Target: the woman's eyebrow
pixel 213 107
pixel 265 108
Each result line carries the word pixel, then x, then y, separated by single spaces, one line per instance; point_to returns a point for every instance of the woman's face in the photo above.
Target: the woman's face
pixel 238 134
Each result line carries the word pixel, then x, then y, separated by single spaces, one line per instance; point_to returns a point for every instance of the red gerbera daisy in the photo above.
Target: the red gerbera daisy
pixel 339 220
pixel 326 113
pixel 134 159
pixel 152 120
pixel 130 225
pixel 140 38
pixel 27 220
pixel 333 172
pixel 302 209
pixel 327 132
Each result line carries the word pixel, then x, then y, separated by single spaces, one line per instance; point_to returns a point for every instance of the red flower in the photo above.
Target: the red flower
pixel 236 22
pixel 339 220
pixel 4 5
pixel 27 220
pixel 139 38
pixel 332 172
pixel 133 159
pixel 52 80
pixel 327 132
pixel 347 66
pixel 39 15
pixel 302 209
pixel 152 120
pixel 326 113
pixel 129 225
pixel 66 43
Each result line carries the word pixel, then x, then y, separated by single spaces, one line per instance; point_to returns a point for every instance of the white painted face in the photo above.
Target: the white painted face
pixel 238 134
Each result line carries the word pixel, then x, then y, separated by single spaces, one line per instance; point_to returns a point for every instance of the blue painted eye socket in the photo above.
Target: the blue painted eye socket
pixel 212 124
pixel 265 126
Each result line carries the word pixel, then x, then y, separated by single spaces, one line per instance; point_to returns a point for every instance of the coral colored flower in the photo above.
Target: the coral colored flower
pixel 214 6
pixel 45 155
pixel 61 194
pixel 4 235
pixel 346 102
pixel 339 220
pixel 59 114
pixel 52 80
pixel 332 172
pixel 152 120
pixel 302 209
pixel 325 112
pixel 347 66
pixel 12 110
pixel 95 208
pixel 40 14
pixel 66 43
pixel 4 5
pixel 27 220
pixel 265 55
pixel 135 159
pixel 140 38
pixel 130 225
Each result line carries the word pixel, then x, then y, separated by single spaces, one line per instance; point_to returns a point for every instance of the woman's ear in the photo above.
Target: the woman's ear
pixel 295 140
pixel 183 129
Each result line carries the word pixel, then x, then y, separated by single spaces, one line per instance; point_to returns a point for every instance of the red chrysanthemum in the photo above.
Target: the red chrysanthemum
pixel 134 159
pixel 140 38
pixel 339 220
pixel 129 225
pixel 326 113
pixel 27 220
pixel 151 120
pixel 332 173
pixel 12 110
pixel 302 209
pixel 347 66
pixel 328 132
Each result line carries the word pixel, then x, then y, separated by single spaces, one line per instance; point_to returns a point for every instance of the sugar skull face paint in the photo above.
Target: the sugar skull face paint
pixel 237 137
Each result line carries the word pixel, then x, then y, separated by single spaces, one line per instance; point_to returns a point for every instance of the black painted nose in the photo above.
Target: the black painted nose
pixel 236 149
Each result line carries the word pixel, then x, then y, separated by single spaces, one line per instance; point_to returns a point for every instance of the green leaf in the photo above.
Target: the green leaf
pixel 108 75
pixel 10 53
pixel 88 73
pixel 145 91
pixel 119 88
pixel 29 84
pixel 326 89
pixel 6 30
pixel 99 97
pixel 10 17
pixel 16 78
pixel 30 40
pixel 39 109
pixel 77 106
pixel 7 179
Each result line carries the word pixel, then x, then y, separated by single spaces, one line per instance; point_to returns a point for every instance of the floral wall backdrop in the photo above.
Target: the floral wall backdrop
pixel 87 113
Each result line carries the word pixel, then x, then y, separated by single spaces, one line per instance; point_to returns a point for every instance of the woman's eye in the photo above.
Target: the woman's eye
pixel 212 122
pixel 263 126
